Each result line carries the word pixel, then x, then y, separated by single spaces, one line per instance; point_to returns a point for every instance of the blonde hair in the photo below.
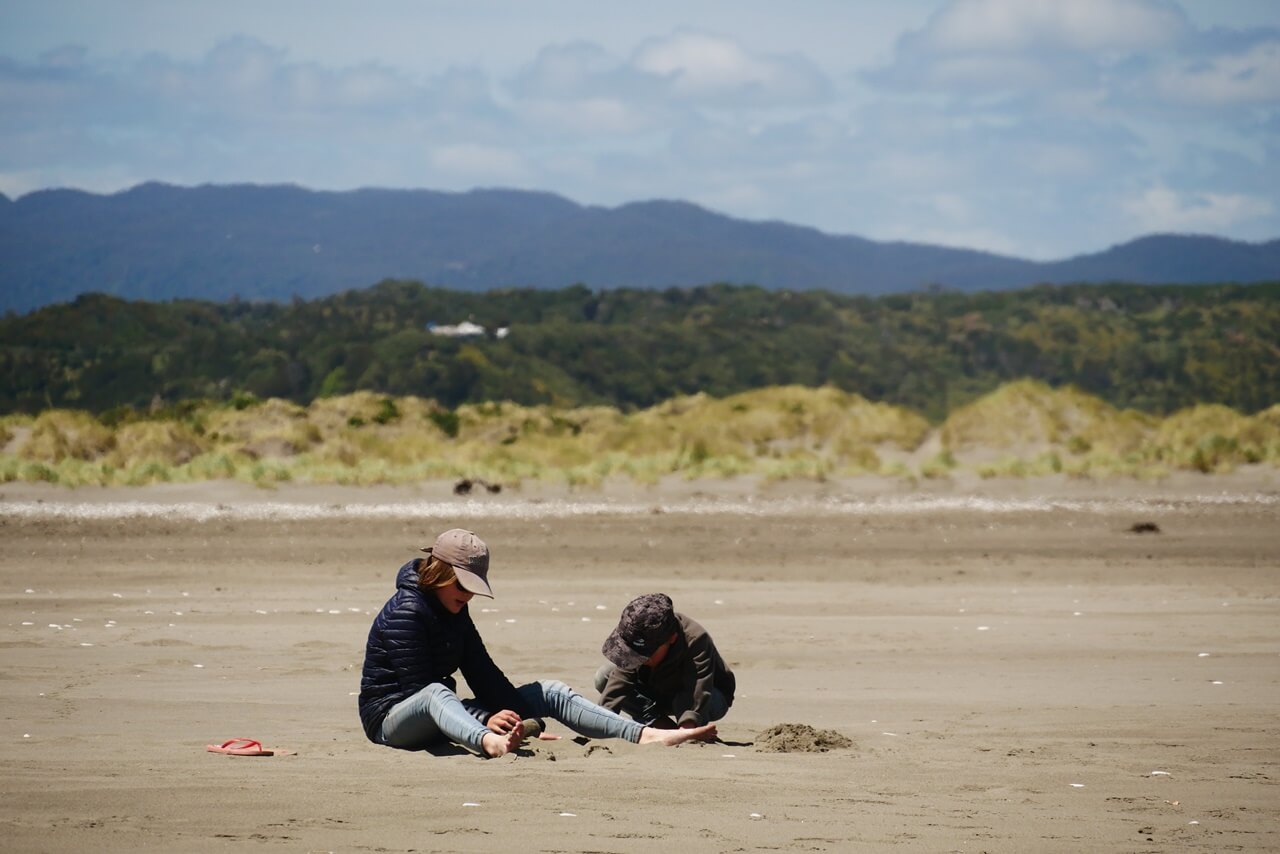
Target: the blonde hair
pixel 433 572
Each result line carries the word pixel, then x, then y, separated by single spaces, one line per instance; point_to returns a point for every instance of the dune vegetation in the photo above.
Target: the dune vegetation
pixel 1023 428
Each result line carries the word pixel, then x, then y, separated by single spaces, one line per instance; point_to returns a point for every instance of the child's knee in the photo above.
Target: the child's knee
pixel 602 676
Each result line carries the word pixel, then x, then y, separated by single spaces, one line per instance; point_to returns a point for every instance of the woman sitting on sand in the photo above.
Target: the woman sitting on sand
pixel 424 634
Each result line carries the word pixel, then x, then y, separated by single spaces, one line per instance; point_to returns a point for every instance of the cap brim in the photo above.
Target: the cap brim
pixel 467 579
pixel 472 583
pixel 617 651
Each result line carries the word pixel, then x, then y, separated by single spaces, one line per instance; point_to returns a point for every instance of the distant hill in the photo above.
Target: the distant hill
pixel 157 242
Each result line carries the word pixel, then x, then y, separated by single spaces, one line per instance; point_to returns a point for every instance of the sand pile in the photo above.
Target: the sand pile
pixel 800 738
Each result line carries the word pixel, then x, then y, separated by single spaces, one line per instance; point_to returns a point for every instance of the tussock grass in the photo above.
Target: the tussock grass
pixel 61 434
pixel 165 442
pixel 791 432
pixel 1215 438
pixel 1030 417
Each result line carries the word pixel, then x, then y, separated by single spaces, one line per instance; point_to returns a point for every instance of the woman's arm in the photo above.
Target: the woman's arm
pixel 492 688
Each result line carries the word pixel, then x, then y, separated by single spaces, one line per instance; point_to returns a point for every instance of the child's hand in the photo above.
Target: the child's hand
pixel 503 722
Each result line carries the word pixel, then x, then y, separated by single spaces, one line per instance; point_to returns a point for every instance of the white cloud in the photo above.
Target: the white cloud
pixel 703 66
pixel 1010 26
pixel 700 64
pixel 690 68
pixel 1162 209
pixel 1030 46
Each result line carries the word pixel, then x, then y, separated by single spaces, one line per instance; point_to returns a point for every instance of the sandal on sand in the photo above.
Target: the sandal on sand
pixel 240 747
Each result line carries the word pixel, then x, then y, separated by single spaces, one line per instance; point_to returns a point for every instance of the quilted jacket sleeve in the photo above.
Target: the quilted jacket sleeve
pixel 491 686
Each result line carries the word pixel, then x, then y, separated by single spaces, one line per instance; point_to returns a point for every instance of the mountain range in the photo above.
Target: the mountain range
pixel 260 242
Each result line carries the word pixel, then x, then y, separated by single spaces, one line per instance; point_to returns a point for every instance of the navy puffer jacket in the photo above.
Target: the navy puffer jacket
pixel 415 641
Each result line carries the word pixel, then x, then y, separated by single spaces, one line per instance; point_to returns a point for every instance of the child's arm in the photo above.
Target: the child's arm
pixel 694 699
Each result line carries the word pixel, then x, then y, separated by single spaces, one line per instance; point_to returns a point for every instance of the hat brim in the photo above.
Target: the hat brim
pixel 620 654
pixel 472 583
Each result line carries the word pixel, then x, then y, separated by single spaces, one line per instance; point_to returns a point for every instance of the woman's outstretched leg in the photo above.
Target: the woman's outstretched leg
pixel 557 700
pixel 433 714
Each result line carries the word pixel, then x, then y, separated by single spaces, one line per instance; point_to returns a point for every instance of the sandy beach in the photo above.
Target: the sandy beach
pixel 1016 668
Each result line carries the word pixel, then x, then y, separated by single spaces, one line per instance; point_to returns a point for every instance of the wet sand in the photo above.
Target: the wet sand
pixel 1016 670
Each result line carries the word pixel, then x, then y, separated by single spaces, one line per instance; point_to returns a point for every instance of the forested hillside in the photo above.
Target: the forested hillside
pixel 1155 349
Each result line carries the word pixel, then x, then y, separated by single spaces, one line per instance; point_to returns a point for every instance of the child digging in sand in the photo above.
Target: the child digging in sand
pixel 424 634
pixel 663 665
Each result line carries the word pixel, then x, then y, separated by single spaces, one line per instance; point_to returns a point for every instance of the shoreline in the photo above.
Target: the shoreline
pixel 1259 482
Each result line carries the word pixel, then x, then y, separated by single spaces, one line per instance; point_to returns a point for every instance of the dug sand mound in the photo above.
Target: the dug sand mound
pixel 800 738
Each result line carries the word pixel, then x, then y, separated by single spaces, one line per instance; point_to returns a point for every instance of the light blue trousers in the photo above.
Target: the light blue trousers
pixel 435 714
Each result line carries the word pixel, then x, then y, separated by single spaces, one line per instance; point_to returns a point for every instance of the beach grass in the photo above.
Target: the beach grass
pixel 1022 429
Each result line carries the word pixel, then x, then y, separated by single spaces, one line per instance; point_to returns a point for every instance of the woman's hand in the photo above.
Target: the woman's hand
pixel 503 722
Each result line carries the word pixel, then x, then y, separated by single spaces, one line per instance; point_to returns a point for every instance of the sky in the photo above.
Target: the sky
pixel 1042 129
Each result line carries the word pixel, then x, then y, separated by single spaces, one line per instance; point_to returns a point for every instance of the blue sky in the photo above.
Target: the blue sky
pixel 1038 128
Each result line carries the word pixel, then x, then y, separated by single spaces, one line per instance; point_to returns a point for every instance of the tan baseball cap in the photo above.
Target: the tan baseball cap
pixel 469 557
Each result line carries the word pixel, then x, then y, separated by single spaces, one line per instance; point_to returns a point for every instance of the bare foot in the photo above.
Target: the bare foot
pixel 672 737
pixel 500 745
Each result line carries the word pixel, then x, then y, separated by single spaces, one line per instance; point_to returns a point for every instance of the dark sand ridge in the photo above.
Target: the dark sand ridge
pixel 1012 680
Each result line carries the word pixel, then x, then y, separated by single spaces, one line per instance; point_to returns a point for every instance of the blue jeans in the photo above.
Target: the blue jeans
pixel 435 713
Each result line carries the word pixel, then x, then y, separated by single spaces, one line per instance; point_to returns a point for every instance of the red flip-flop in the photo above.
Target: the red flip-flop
pixel 240 747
